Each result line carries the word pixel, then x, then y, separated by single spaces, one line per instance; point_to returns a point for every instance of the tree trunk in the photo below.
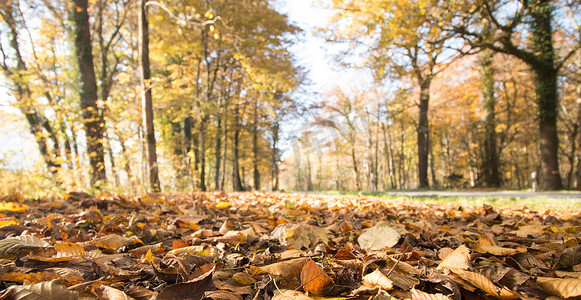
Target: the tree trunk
pixel 547 95
pixel 354 161
pixel 202 151
pixel 256 173
pixel 275 170
pixel 218 153
pixel 491 162
pixel 423 134
pixel 147 102
pixel 236 180
pixel 92 117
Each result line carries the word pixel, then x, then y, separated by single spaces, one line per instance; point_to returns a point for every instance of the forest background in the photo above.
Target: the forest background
pixel 436 94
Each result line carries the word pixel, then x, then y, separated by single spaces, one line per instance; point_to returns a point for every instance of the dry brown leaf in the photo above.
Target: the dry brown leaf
pixel 376 278
pixel 419 295
pixel 299 235
pixel 193 289
pixel 291 295
pixel 314 279
pixel 480 281
pixel 112 241
pixel 284 269
pixel 496 250
pixel 563 287
pixel 459 259
pixel 109 293
pixel 43 290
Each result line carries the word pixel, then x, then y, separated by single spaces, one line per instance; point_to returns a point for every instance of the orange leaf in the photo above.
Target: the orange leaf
pixel 314 279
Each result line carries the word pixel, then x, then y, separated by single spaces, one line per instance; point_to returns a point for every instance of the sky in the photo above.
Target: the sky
pixel 312 52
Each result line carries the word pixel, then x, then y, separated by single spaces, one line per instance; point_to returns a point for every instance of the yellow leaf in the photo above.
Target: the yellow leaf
pixel 460 259
pixel 12 221
pixel 223 204
pixel 13 207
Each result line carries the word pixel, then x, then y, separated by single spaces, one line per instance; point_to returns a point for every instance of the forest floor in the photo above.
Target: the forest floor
pixel 285 246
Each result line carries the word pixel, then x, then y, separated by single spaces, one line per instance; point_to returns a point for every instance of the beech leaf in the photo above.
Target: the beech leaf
pixel 379 237
pixel 419 295
pixel 193 289
pixel 291 295
pixel 563 287
pixel 314 279
pixel 282 269
pixel 9 247
pixel 480 281
pixel 459 259
pixel 43 290
pixel 377 278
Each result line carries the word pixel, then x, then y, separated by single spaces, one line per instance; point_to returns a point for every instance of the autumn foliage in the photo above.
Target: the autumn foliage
pixel 282 246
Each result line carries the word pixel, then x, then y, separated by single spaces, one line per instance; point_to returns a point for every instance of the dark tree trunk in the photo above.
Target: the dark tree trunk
pixel 423 134
pixel 147 101
pixel 256 173
pixel 547 95
pixel 491 165
pixel 236 180
pixel 202 151
pixel 275 169
pixel 92 116
pixel 218 153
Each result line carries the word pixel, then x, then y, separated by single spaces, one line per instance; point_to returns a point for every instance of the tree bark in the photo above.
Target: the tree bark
pixel 423 133
pixel 92 116
pixel 147 101
pixel 491 161
pixel 275 169
pixel 547 95
pixel 256 173
pixel 236 180
pixel 202 151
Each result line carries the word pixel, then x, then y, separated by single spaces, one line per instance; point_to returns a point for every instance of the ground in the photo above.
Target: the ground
pixel 284 246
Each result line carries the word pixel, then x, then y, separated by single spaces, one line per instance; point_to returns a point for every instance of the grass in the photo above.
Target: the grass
pixel 539 203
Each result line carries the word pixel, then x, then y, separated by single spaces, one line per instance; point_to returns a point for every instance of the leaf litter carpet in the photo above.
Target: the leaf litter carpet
pixel 282 246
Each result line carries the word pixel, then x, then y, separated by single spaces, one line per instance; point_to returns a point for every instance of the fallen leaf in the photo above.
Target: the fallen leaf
pixel 480 281
pixel 291 295
pixel 299 235
pixel 314 279
pixel 193 289
pixel 13 207
pixel 563 287
pixel 283 269
pixel 379 237
pixel 377 278
pixel 112 241
pixel 419 295
pixel 109 293
pixel 9 247
pixel 459 259
pixel 43 290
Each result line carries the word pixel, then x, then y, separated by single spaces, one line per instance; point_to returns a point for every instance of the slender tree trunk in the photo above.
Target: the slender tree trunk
pixel 354 161
pixel 92 118
pixel 579 123
pixel 423 134
pixel 147 101
pixel 225 155
pixel 218 153
pixel 256 173
pixel 236 180
pixel 275 170
pixel 491 161
pixel 202 151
